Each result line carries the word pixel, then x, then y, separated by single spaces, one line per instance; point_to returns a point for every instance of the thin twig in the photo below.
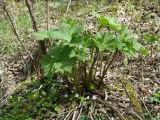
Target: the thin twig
pixel 15 31
pixel 106 104
pixel 69 3
pixel 146 108
pixel 47 14
pixel 68 115
pixel 91 111
pixel 74 115
pixel 62 113
pixel 80 111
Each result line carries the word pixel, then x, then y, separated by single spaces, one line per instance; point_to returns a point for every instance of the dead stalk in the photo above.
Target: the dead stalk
pixel 47 14
pixel 123 85
pixel 79 114
pixel 69 3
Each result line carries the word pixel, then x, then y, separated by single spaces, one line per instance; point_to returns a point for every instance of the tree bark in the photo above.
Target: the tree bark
pixel 34 24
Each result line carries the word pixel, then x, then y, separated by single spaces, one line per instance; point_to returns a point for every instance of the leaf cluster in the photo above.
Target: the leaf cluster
pixel 77 52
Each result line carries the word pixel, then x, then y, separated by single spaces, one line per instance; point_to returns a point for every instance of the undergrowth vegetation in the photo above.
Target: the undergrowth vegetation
pixel 84 66
pixel 78 52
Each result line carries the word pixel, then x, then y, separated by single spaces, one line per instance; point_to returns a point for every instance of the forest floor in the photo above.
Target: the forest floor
pixel 144 72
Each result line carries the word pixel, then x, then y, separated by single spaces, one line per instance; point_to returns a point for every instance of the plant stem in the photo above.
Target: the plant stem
pixel 47 14
pixel 92 65
pixel 106 68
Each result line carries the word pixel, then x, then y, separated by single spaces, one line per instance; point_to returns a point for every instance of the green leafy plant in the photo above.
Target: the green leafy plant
pixel 35 101
pixel 155 98
pixel 78 53
pixel 151 40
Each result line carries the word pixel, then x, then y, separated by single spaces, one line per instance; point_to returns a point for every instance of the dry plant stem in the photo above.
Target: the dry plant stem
pixel 70 1
pixel 15 32
pixel 79 114
pixel 136 115
pixel 62 113
pixel 74 115
pixel 68 116
pixel 34 24
pixel 91 112
pixel 47 14
pixel 123 85
pixel 106 104
pixel 5 98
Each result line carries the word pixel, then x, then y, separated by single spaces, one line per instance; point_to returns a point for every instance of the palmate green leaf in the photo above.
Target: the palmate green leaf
pixel 110 22
pixel 136 45
pixel 46 60
pixel 42 35
pixel 150 38
pixel 76 41
pixel 56 51
pixel 157 95
pixel 79 53
pixel 131 46
pixel 99 41
pixel 107 41
pixel 61 61
pixel 47 63
pixel 111 42
pixel 124 32
pixel 65 32
pixel 64 66
pixel 70 21
pixel 144 51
